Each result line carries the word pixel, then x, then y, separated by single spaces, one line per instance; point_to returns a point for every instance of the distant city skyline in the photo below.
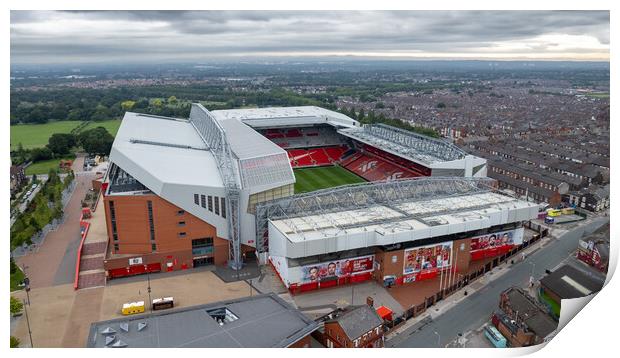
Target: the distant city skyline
pixel 41 37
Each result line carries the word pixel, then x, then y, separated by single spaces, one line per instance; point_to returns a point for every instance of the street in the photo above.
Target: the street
pixel 473 311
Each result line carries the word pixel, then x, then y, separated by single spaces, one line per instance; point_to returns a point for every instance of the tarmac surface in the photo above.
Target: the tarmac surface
pixel 474 310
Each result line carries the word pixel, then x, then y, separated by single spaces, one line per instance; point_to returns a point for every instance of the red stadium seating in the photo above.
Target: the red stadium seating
pixel 373 168
pixel 293 133
pixel 316 156
pixel 319 156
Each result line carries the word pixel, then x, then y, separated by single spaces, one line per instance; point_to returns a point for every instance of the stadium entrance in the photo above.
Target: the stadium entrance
pixel 203 261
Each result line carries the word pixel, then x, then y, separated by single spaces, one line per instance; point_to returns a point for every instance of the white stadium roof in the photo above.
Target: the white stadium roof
pixel 286 116
pixel 160 150
pixel 375 214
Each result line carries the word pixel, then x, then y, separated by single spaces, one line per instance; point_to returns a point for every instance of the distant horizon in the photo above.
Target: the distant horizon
pixel 239 60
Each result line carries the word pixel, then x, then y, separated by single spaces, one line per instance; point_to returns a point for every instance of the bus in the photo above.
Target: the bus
pixel 163 303
pixel 133 308
pixel 554 212
pixel 495 337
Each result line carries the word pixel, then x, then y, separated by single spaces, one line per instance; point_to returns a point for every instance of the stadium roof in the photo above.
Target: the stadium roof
pixel 415 147
pixel 264 321
pixel 286 116
pixel 369 214
pixel 161 150
pixel 246 143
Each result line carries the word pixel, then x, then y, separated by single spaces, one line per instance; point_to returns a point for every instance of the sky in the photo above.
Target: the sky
pixel 54 37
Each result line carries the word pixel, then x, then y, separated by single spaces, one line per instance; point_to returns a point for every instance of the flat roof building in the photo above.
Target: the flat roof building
pixel 264 321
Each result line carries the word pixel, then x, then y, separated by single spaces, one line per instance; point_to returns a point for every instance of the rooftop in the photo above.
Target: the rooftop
pixel 416 147
pixel 569 282
pixel 357 321
pixel 415 215
pixel 530 312
pixel 158 150
pixel 264 321
pixel 285 116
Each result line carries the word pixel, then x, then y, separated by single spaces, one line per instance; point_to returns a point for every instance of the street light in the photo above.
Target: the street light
pixel 28 324
pixel 438 339
pixel 148 278
pixel 26 283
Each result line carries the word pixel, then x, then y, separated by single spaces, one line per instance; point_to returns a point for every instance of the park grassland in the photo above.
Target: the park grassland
pixel 311 179
pixel 37 135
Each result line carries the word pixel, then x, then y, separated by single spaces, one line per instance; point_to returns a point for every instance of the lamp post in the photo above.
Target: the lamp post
pixel 28 324
pixel 438 339
pixel 148 279
pixel 26 283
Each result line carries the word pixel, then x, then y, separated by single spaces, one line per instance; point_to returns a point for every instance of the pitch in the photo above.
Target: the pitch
pixel 311 179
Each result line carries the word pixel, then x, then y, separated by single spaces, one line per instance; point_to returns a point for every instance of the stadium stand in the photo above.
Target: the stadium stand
pixel 316 156
pixel 373 168
pixel 303 137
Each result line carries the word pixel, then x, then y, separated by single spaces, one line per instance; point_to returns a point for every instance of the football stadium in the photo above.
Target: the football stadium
pixel 321 198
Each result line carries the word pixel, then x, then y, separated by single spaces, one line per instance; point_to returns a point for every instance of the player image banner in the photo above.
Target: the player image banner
pixel 497 243
pixel 427 258
pixel 329 270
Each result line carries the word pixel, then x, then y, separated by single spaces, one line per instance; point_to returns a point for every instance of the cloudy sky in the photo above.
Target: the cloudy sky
pixel 117 36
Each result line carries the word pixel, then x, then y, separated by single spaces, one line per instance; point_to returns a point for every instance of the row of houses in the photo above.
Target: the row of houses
pixel 528 180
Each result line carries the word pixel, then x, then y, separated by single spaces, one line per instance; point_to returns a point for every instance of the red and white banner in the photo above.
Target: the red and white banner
pixel 330 270
pixel 495 244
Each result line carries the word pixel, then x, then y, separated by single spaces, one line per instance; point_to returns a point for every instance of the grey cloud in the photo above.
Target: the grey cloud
pixel 192 33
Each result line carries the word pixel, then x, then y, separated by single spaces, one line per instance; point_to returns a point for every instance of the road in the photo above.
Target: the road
pixel 472 312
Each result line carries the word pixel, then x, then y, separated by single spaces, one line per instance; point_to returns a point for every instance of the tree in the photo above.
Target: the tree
pixel 16 306
pixel 96 141
pixel 34 224
pixel 441 105
pixel 14 267
pixel 61 143
pixel 172 100
pixel 39 154
pixel 101 113
pixel 15 342
pixel 127 105
pixel 157 102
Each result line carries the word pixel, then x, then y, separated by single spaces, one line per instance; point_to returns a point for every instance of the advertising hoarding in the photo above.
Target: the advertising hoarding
pixel 330 270
pixel 427 258
pixel 496 243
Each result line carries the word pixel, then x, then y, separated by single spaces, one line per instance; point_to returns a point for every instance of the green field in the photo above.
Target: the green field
pixel 111 125
pixel 44 166
pixel 311 179
pixel 37 135
pixel 598 95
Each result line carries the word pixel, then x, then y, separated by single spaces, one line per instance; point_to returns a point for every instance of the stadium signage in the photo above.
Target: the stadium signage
pixel 330 270
pixel 494 244
pixel 427 259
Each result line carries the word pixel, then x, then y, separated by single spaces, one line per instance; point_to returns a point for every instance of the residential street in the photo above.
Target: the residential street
pixel 473 311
